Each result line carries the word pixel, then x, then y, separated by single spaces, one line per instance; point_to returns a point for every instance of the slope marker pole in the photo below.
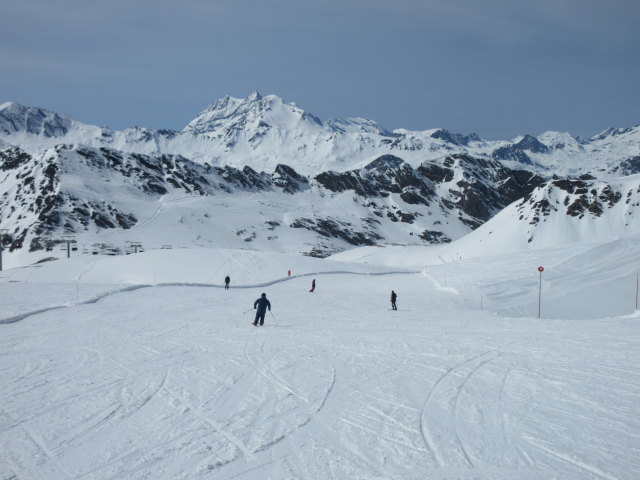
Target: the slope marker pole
pixel 540 269
pixel 637 281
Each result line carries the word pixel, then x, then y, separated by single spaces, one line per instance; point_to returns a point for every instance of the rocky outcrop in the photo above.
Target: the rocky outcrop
pixel 511 153
pixel 630 166
pixel 531 144
pixel 287 179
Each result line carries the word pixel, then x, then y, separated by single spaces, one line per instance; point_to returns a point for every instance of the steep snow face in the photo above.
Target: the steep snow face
pixel 230 116
pixel 356 125
pixel 214 115
pixel 558 213
pixel 258 131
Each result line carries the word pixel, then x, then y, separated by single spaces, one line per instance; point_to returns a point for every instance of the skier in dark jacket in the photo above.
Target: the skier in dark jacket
pixel 226 282
pixel 261 306
pixel 393 300
pixel 313 285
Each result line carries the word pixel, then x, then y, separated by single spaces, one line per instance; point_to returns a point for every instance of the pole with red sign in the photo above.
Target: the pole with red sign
pixel 540 269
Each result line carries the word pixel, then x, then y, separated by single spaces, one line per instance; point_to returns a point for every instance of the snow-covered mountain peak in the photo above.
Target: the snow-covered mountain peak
pixel 264 131
pixel 228 116
pixel 386 162
pixel 15 118
pixel 617 132
pixel 220 109
pixel 560 140
pixel 254 96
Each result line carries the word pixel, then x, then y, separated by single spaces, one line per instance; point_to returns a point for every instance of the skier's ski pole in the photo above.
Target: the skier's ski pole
pixel 247 311
pixel 274 317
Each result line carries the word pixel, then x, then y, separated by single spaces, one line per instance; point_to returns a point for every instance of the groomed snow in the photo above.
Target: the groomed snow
pixel 112 370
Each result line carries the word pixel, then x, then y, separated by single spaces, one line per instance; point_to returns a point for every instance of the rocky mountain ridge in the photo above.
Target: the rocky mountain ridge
pixel 86 190
pixel 344 182
pixel 262 132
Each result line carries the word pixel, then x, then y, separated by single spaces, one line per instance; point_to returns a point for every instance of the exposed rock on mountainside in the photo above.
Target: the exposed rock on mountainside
pixel 333 184
pixel 512 153
pixel 16 118
pixel 630 166
pixel 76 189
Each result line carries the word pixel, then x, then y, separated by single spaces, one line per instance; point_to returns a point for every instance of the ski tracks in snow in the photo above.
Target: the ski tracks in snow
pixel 270 375
pixel 570 459
pixel 299 366
pixel 168 392
pixel 282 380
pixel 440 414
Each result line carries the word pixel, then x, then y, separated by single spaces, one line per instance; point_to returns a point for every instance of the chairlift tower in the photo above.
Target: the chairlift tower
pixel 135 246
pixel 69 239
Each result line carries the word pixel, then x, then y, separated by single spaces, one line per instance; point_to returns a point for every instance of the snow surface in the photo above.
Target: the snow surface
pixel 145 367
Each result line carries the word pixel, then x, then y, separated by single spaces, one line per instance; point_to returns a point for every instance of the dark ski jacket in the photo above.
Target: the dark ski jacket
pixel 227 279
pixel 261 304
pixel 393 297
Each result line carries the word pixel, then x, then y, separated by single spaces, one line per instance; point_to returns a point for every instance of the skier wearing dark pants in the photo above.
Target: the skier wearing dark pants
pixel 313 285
pixel 393 300
pixel 226 282
pixel 261 306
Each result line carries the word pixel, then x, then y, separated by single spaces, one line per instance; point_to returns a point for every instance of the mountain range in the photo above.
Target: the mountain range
pixel 271 176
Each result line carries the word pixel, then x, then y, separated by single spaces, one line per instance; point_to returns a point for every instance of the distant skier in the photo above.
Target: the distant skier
pixel 393 300
pixel 313 285
pixel 289 273
pixel 261 306
pixel 226 282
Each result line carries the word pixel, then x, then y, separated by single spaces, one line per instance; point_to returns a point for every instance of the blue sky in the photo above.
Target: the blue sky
pixel 496 67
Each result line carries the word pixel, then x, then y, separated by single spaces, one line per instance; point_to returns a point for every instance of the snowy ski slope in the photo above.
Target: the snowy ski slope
pixel 145 367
